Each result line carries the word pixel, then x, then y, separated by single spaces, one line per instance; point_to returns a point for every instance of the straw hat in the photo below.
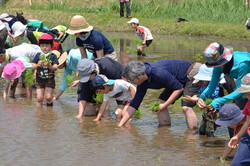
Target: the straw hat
pixel 62 58
pixel 245 84
pixel 78 24
pixel 57 53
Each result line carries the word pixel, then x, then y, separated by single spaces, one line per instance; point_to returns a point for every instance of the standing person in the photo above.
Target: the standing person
pixel 144 34
pixel 119 89
pixel 45 65
pixel 176 76
pixel 235 65
pixel 242 157
pixel 68 62
pixel 128 7
pixel 90 39
pixel 88 69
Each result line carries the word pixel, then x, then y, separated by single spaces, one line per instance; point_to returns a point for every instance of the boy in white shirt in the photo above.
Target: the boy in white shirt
pixel 119 89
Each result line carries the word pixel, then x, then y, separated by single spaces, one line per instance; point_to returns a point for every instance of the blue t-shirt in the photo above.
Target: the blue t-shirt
pixel 169 73
pixel 43 73
pixel 95 42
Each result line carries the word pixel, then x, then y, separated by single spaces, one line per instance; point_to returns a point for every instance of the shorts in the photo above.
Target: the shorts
pixel 148 42
pixel 119 102
pixel 47 84
pixel 85 92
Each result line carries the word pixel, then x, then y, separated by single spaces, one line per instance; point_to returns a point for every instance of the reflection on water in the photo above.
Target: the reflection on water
pixel 52 136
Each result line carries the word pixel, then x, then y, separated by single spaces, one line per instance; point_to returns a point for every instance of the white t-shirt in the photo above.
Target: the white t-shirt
pixel 120 91
pixel 25 49
pixel 140 32
pixel 2 26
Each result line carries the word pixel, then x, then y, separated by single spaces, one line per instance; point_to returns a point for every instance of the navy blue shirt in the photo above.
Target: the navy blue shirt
pixel 95 42
pixel 43 73
pixel 169 73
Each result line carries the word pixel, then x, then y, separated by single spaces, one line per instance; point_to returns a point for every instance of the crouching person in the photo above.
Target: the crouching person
pixel 119 89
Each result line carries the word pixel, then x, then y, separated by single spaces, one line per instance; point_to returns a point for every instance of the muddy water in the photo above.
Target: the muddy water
pixel 53 136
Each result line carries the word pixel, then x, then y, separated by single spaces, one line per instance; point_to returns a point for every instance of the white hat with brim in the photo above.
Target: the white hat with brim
pixel 57 53
pixel 78 24
pixel 245 84
pixel 133 20
pixel 18 28
pixel 205 74
pixel 5 17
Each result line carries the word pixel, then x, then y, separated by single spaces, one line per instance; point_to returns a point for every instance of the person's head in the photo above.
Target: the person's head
pixel 87 70
pixel 18 29
pixel 134 22
pixel 45 42
pixel 134 72
pixel 2 55
pixel 102 84
pixel 217 55
pixel 204 76
pixel 245 86
pixel 13 70
pixel 79 27
pixel 229 115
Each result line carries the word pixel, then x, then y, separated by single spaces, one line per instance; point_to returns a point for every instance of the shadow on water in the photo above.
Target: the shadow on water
pixel 52 136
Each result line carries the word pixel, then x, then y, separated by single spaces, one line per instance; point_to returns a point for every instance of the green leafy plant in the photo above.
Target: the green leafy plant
pixel 208 101
pixel 197 57
pixel 69 79
pixel 138 113
pixel 43 58
pixel 155 106
pixel 99 97
pixel 29 77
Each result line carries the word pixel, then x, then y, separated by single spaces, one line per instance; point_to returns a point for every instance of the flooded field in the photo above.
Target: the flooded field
pixel 53 137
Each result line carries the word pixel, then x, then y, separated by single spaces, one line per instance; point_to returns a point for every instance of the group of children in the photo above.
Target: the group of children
pixel 106 75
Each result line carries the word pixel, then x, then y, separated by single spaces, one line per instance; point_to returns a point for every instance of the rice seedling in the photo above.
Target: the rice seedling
pixel 138 113
pixel 69 79
pixel 99 98
pixel 29 77
pixel 155 106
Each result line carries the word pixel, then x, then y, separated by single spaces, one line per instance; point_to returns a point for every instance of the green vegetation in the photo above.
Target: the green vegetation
pixel 29 77
pixel 43 58
pixel 206 18
pixel 155 106
pixel 69 79
pixel 138 113
pixel 99 98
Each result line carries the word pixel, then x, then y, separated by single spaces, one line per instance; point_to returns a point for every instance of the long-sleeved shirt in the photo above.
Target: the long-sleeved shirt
pixel 73 58
pixel 241 67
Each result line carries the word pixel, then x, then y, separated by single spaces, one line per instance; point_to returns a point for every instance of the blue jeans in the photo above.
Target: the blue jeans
pixel 242 156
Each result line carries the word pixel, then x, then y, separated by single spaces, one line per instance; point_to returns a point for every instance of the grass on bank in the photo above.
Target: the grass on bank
pixel 206 18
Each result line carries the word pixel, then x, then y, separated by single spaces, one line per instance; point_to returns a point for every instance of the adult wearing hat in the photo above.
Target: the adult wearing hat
pixel 68 62
pixel 87 70
pixel 90 39
pixel 234 64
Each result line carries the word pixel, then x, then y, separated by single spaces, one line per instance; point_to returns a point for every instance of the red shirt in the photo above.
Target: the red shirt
pixel 246 112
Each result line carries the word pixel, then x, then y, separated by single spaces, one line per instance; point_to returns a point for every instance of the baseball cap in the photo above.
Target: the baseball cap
pixel 85 68
pixel 245 84
pixel 229 114
pixel 217 55
pixel 133 20
pixel 99 80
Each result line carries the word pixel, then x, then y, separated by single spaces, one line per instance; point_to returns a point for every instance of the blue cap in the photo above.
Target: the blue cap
pixel 229 114
pixel 99 80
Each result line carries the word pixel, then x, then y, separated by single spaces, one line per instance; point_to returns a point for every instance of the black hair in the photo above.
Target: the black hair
pixel 20 17
pixel 228 66
pixel 46 42
pixel 2 50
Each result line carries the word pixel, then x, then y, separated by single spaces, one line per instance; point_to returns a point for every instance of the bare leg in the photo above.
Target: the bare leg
pixel 164 117
pixel 191 117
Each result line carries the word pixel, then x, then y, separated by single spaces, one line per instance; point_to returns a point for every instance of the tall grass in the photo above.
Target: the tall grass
pixel 228 11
